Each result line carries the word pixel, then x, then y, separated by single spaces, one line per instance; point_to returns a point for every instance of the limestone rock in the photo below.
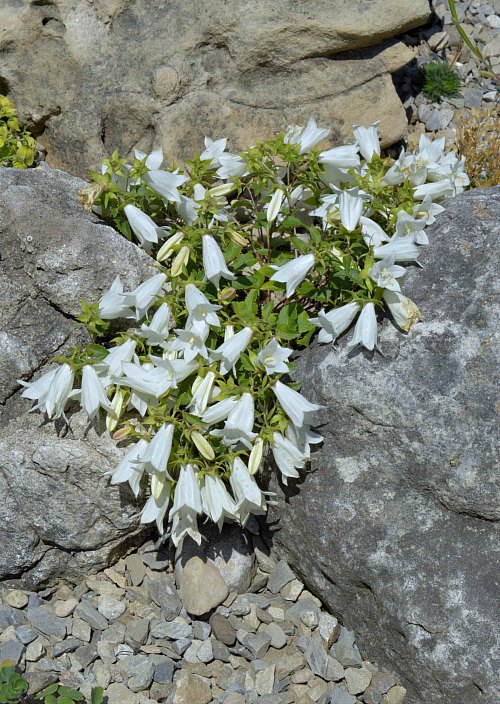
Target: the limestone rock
pixel 59 516
pixel 406 483
pixel 202 587
pixel 242 70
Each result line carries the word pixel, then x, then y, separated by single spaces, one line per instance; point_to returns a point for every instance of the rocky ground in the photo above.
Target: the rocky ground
pixel 440 40
pixel 127 630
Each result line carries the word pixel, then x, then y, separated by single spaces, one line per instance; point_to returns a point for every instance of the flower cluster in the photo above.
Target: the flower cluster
pixel 256 253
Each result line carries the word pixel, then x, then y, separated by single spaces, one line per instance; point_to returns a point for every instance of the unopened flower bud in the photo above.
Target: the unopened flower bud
pixel 227 294
pixel 117 406
pixel 238 238
pixel 180 261
pixel 223 190
pixel 206 450
pixel 256 456
pixel 167 248
pixel 122 433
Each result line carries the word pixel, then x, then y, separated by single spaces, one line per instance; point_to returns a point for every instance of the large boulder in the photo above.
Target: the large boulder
pixel 59 517
pixel 89 77
pixel 396 524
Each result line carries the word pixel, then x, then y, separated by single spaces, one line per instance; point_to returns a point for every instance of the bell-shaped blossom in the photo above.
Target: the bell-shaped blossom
pixel 306 137
pixel 249 498
pixel 274 358
pixel 373 234
pixel 274 205
pixel 157 331
pixel 367 140
pixel 402 309
pixel 154 160
pixel 131 468
pixel 38 390
pixel 219 411
pixel 155 457
pixel 344 157
pixel 156 506
pixel 302 437
pixel 214 149
pixel 187 504
pixel 168 247
pixel 191 341
pixel 293 403
pixel 143 227
pixel 231 166
pixel 427 211
pixel 113 303
pixel 287 456
pixel 293 272
pixel 93 395
pixel 184 523
pixel 351 203
pixel 386 274
pixel 200 308
pixel 146 379
pixel 229 351
pixel 201 390
pixel 238 428
pixel 439 189
pixel 143 297
pixel 408 226
pixel 165 183
pixel 112 364
pixel 214 263
pixel 336 321
pixel 117 404
pixel 401 249
pixel 217 502
pixel 328 208
pixel 365 332
pixel 51 397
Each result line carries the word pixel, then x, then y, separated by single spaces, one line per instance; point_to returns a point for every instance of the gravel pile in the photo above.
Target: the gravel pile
pixel 440 40
pixel 127 630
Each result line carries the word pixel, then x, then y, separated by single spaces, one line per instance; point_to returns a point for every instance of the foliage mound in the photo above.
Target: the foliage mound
pixel 440 81
pixel 17 146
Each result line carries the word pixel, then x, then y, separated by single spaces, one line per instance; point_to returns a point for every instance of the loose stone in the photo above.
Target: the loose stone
pixel 264 680
pixel 110 607
pixel 278 637
pixel 191 689
pixel 139 669
pixel 46 623
pixel 316 656
pixel 201 630
pixel 136 568
pixel 35 651
pixel 66 607
pixel 91 615
pixel 205 652
pixel 292 590
pixel 338 695
pixel 164 671
pixel 395 695
pixel 281 575
pixel 25 634
pixel 12 650
pixel 172 630
pixel 257 643
pixel 68 645
pixel 137 632
pixel 380 683
pixel 222 629
pixel 334 670
pixel 81 629
pixel 165 595
pixel 357 679
pixel 202 587
pixel 16 598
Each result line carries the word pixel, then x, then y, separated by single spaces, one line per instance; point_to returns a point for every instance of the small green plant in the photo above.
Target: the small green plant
pixel 440 81
pixel 59 694
pixel 17 146
pixel 12 685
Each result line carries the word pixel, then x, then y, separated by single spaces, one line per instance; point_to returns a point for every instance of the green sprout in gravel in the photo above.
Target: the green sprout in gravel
pixel 440 81
pixel 17 146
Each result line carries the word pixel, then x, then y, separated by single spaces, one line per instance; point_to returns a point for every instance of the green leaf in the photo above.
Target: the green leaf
pixel 49 699
pixel 96 696
pixel 73 693
pixel 48 690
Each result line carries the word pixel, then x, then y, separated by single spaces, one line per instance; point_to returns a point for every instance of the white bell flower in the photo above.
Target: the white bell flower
pixel 408 226
pixel 184 523
pixel 218 504
pixel 165 183
pixel 293 272
pixel 59 392
pixel 287 456
pixel 231 166
pixel 93 395
pixel 191 341
pixel 131 468
pixel 157 331
pixel 144 295
pixel 351 203
pixel 274 205
pixel 302 437
pixel 439 189
pixel 219 411
pixel 200 308
pixel 113 303
pixel 143 227
pixel 402 249
pixel 187 504
pixel 373 234
pixel 403 310
pixel 365 332
pixel 249 498
pixel 112 364
pixel 147 380
pixel 156 506
pixel 214 263
pixel 367 140
pixel 427 211
pixel 273 358
pixel 201 394
pixel 229 351
pixel 154 160
pixel 293 403
pixel 37 390
pixel 335 322
pixel 344 157
pixel 306 137
pixel 385 274
pixel 214 149
pixel 155 457
pixel 238 428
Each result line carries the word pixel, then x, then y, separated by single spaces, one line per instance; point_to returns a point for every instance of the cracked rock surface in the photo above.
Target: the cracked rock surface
pixel 396 526
pixel 58 514
pixel 94 75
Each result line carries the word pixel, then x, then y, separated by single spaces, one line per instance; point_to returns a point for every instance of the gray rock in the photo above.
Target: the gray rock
pixel 303 608
pixel 316 656
pixel 230 551
pixel 164 671
pixel 68 645
pixel 12 650
pixel 257 643
pixel 280 576
pixel 25 634
pixel 345 649
pixel 86 654
pixel 10 617
pixel 172 630
pixel 338 695
pixel 110 607
pixel 220 651
pixel 180 646
pixel 59 516
pixel 136 568
pixel 438 119
pixel 91 615
pixel 397 485
pixel 473 98
pixel 202 587
pixel 46 622
pixel 16 598
pixel 139 670
pixel 194 79
pixel 137 631
pixel 278 637
pixel 380 683
pixel 201 630
pixel 205 652
pixel 164 593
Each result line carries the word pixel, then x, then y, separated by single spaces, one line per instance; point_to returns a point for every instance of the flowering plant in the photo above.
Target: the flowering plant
pixel 256 253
